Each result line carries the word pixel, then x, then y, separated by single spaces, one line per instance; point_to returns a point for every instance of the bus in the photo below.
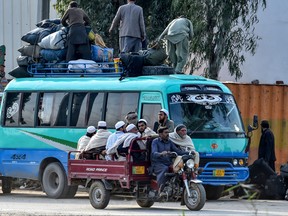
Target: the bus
pixel 42 119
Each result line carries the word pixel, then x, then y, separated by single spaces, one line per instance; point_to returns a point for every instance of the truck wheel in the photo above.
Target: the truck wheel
pixel 54 181
pixel 99 196
pixel 145 203
pixel 6 185
pixel 213 192
pixel 197 199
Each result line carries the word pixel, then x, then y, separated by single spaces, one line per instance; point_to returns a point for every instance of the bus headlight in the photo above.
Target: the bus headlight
pixel 190 163
pixel 235 162
pixel 241 162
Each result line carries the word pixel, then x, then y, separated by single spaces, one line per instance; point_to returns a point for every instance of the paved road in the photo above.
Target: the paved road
pixel 36 203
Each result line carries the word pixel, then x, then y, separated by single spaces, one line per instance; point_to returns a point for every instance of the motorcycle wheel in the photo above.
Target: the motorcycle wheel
pixel 145 203
pixel 197 199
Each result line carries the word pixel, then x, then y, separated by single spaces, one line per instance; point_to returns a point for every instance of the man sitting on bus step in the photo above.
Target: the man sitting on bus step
pixel 97 144
pixel 120 130
pixel 163 121
pixel 160 159
pixel 121 146
pixel 84 140
pixel 182 140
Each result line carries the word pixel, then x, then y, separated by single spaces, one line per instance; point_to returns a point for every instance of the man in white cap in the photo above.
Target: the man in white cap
pixel 145 131
pixel 163 121
pixel 120 128
pixel 98 142
pixel 84 140
pixel 121 146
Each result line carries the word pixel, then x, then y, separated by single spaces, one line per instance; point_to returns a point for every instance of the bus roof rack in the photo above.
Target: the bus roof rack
pixel 75 69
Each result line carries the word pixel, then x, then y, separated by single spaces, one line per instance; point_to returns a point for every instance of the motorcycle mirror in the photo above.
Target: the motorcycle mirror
pixel 255 121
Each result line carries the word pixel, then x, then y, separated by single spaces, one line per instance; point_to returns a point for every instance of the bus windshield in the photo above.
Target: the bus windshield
pixel 205 112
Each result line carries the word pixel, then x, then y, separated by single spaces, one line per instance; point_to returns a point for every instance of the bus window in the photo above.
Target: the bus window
pixel 53 109
pixel 79 107
pixel 118 105
pixel 27 105
pixel 150 113
pixel 95 107
pixel 12 109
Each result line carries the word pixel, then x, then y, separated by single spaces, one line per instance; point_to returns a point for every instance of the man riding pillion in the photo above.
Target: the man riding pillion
pixel 160 155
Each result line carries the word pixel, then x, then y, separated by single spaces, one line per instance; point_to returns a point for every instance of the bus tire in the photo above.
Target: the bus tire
pixel 6 185
pixel 213 192
pixel 157 70
pixel 54 181
pixel 71 191
pixel 99 196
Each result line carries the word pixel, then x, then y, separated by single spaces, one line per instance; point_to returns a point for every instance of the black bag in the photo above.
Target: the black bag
pixel 154 56
pixel 132 64
pixel 275 187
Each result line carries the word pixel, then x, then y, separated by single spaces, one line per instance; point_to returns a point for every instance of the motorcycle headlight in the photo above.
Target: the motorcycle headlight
pixel 190 163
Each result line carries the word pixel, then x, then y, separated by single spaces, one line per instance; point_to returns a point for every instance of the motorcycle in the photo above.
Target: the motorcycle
pixel 181 185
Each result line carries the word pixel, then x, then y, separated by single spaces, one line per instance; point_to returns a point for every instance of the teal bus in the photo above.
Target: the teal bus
pixel 42 119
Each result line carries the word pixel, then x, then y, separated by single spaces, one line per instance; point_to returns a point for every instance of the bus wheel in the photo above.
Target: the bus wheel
pixel 54 181
pixel 6 185
pixel 99 196
pixel 72 190
pixel 213 192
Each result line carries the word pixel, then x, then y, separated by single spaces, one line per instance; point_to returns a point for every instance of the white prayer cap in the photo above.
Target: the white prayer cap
pixel 130 127
pixel 142 120
pixel 119 124
pixel 165 111
pixel 91 129
pixel 102 124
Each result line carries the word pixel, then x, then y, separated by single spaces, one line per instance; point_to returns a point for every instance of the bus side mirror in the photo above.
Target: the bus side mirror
pixel 255 124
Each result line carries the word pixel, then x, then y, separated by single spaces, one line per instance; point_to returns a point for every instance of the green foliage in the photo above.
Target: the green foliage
pixel 223 29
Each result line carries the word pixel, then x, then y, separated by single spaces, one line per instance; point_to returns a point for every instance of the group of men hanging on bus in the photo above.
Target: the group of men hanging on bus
pixel 102 144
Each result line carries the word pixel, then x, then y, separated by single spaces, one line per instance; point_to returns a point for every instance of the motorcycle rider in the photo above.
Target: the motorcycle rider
pixel 160 155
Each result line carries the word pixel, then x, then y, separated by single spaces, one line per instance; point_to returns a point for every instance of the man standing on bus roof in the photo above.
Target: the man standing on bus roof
pixel 120 130
pixel 132 27
pixel 163 121
pixel 266 148
pixel 84 140
pixel 77 41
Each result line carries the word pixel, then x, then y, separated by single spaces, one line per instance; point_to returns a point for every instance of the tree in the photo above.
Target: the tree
pixel 223 29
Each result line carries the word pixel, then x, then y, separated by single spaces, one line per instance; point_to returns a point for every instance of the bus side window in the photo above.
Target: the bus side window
pixel 27 107
pixel 118 105
pixel 12 109
pixel 79 107
pixel 150 113
pixel 60 109
pixel 45 108
pixel 95 107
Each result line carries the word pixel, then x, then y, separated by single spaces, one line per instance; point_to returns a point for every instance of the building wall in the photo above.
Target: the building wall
pixel 269 102
pixel 17 17
pixel 269 64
